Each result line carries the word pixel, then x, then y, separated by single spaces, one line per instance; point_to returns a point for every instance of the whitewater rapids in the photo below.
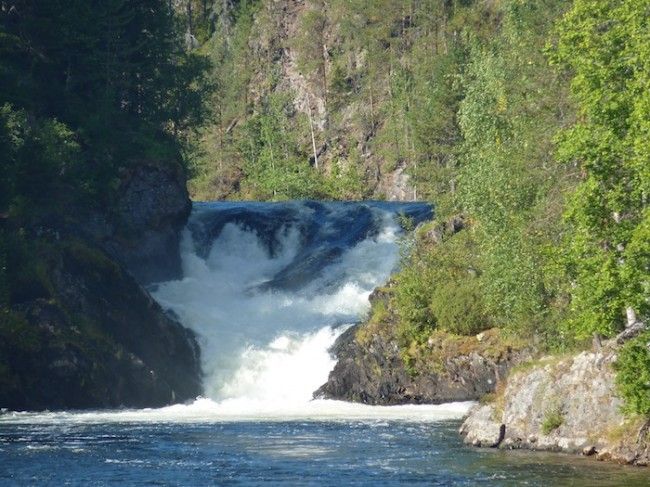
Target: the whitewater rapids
pixel 268 288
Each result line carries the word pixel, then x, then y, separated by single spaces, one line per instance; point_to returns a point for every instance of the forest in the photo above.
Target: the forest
pixel 526 122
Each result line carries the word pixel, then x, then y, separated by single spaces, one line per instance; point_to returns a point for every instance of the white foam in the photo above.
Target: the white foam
pixel 205 410
pixel 285 372
pixel 264 353
pixel 240 330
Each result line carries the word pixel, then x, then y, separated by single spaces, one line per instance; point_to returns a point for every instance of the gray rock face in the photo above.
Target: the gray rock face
pixel 375 373
pixel 561 405
pixel 144 232
pixel 480 428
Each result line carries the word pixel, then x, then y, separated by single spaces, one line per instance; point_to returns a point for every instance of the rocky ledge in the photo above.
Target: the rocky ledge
pixel 371 366
pixel 561 404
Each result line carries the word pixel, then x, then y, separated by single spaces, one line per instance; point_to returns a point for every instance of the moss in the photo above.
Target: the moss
pixel 17 334
pixel 499 401
pixel 553 360
pixel 27 272
pixel 489 398
pixel 18 339
pixel 431 352
pixel 377 323
pixel 90 258
pixel 629 429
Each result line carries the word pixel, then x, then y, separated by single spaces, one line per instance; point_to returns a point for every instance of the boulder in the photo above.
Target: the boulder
pixel 564 404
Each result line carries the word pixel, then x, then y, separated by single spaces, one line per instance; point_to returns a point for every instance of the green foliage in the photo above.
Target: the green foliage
pixel 17 334
pixel 310 42
pixel 553 419
pixel 41 160
pixel 87 88
pixel 439 287
pixel 25 270
pixel 380 85
pixel 508 182
pixel 633 375
pixel 277 169
pixel 463 97
pixel 605 45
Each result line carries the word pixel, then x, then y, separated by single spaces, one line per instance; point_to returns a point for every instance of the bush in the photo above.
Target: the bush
pixel 633 375
pixel 439 287
pixel 553 419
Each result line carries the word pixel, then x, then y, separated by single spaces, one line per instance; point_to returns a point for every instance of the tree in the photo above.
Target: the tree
pixel 113 73
pixel 606 45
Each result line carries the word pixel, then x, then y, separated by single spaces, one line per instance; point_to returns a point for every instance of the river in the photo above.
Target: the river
pixel 267 288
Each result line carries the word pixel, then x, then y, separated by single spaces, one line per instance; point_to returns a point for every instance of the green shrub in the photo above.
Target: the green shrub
pixel 439 287
pixel 553 419
pixel 633 375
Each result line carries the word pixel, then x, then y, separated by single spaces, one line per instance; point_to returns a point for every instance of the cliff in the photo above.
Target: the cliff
pixel 297 63
pixel 143 231
pixel 562 404
pixel 81 331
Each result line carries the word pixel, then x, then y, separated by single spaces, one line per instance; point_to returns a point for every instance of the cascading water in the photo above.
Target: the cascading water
pixel 268 287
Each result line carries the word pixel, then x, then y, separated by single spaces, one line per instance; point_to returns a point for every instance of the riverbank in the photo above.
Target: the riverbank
pixel 566 404
pixel 562 403
pixel 374 367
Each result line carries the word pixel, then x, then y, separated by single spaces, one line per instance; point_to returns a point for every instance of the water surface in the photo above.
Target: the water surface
pixel 335 452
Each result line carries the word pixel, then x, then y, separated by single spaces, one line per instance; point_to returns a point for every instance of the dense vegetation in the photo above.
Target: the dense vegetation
pixel 88 90
pixel 85 89
pixel 525 122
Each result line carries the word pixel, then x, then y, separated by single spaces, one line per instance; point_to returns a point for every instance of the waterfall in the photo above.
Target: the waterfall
pixel 268 287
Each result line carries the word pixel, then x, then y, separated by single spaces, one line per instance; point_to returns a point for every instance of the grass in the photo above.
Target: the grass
pixel 541 362
pixel 627 430
pixel 553 419
pixel 432 354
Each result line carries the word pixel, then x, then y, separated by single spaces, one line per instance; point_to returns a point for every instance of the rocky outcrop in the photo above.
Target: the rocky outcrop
pixel 143 230
pixel 80 331
pixel 95 340
pixel 371 368
pixel 565 404
pixel 375 373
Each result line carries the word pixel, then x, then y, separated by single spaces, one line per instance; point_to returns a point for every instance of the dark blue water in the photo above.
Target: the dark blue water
pixel 374 453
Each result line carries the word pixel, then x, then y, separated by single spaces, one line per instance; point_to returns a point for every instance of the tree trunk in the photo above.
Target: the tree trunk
pixel 190 27
pixel 313 139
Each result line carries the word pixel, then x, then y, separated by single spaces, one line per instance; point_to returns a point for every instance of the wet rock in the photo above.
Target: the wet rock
pixel 481 429
pixel 589 450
